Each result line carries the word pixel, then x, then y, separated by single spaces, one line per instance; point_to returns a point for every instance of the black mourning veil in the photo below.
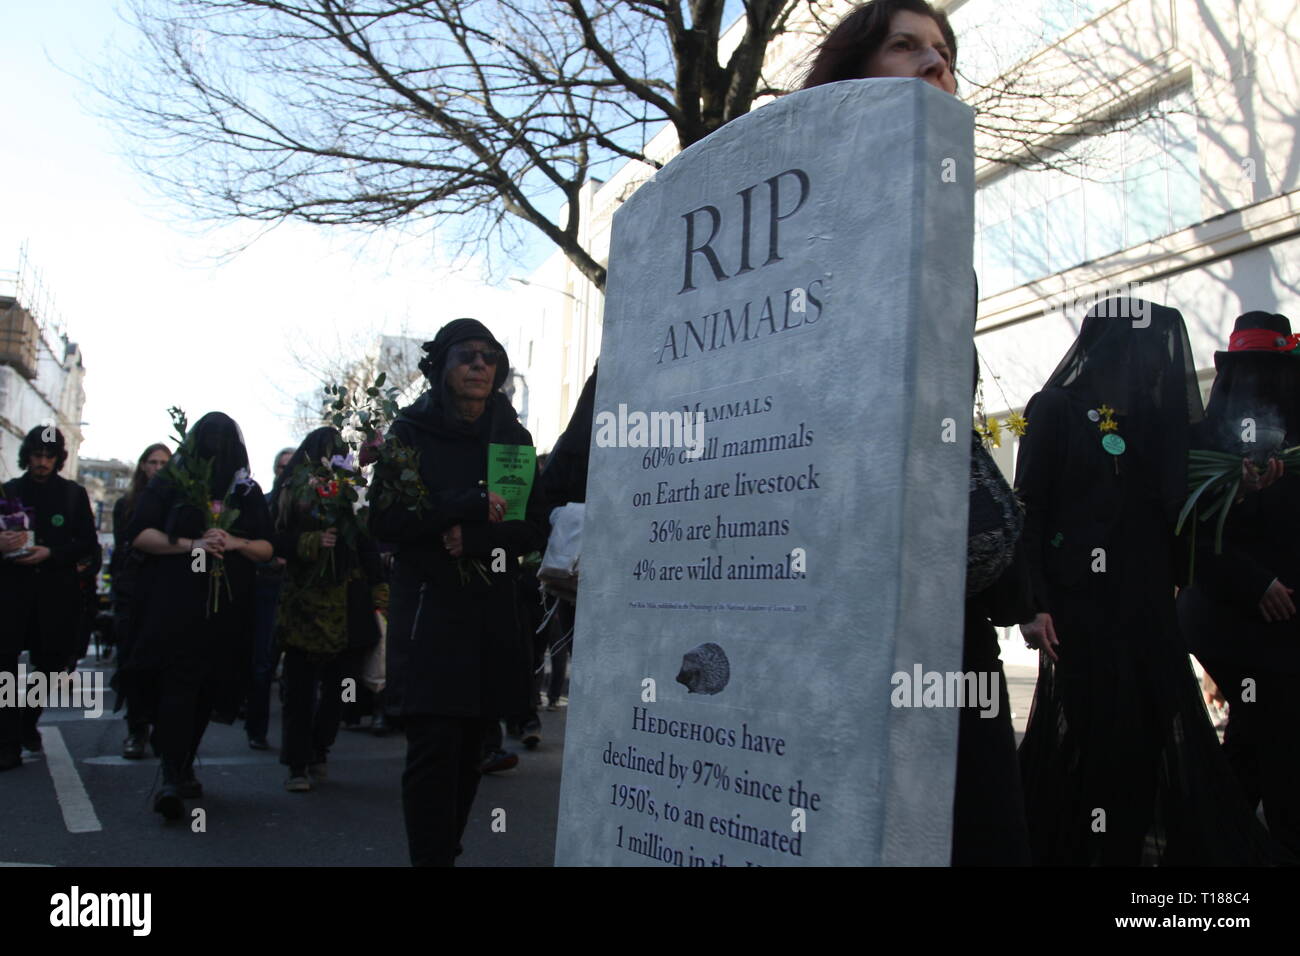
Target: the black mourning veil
pixel 217 438
pixel 1262 387
pixel 1135 357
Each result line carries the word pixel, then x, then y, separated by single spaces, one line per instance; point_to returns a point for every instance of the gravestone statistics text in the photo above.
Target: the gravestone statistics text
pixel 777 498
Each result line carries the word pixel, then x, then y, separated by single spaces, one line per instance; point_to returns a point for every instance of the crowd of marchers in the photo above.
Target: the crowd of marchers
pixel 221 592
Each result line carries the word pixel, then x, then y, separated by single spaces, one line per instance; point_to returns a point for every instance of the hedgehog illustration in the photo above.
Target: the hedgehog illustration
pixel 705 670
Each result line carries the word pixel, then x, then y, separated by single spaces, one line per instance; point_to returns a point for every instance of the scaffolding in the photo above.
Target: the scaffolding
pixel 28 313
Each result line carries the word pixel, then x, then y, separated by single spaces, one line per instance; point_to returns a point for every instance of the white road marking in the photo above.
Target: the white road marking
pixel 78 812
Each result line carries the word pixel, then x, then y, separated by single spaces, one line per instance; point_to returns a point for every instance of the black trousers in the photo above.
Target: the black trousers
pixel 313 704
pixel 438 784
pixel 186 691
pixel 16 722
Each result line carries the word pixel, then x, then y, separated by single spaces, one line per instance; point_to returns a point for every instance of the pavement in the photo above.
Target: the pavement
pixel 81 804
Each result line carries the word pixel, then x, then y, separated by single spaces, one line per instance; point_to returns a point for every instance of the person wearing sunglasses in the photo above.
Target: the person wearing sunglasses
pixel 457 654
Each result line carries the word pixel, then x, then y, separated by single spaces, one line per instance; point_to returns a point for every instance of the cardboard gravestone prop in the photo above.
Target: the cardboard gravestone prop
pixel 777 497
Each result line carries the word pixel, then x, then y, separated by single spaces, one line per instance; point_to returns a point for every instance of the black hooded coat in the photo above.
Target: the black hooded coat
pixel 456 646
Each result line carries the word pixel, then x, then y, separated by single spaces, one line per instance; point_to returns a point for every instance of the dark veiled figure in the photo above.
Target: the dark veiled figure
pixel 198 661
pixel 1239 616
pixel 1120 763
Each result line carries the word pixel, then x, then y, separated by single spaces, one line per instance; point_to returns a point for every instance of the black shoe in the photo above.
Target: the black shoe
pixel 189 787
pixel 531 733
pixel 169 802
pixel 11 760
pixel 32 741
pixel 133 748
pixel 498 760
pixel 258 743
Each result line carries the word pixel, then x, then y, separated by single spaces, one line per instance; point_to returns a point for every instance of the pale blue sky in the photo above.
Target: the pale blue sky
pixel 159 321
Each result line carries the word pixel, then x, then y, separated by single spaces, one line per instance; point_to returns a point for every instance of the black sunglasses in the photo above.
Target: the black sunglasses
pixel 466 356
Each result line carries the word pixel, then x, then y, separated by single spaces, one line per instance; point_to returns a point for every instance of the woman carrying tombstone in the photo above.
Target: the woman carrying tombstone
pixel 908 38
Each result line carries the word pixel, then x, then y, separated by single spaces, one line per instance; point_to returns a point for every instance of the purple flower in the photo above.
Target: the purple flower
pixel 343 461
pixel 243 481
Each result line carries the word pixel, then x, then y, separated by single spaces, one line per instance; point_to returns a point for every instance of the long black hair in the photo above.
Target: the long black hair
pixel 324 442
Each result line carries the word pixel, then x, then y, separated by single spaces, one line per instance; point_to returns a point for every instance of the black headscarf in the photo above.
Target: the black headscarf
pixel 435 409
pixel 215 437
pixel 1135 357
pixel 324 442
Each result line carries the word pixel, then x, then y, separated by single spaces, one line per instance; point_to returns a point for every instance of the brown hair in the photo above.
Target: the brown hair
pixel 138 480
pixel 860 34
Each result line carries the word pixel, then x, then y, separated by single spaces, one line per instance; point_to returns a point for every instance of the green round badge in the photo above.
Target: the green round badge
pixel 57 521
pixel 1113 444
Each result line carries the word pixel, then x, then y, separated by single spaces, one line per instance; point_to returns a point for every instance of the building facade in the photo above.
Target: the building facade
pixel 41 381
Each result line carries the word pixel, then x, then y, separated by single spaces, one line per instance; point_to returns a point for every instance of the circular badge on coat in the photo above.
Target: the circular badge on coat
pixel 1093 415
pixel 1113 444
pixel 57 521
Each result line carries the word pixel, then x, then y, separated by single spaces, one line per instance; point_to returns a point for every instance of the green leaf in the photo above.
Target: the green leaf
pixel 1191 503
pixel 379 382
pixel 337 421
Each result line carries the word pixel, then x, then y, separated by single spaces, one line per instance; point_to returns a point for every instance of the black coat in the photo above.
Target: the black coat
pixel 173 632
pixel 456 647
pixel 45 599
pixel 1220 613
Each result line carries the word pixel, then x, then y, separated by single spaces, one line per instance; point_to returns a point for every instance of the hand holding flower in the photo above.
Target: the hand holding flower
pixel 12 540
pixel 329 537
pixel 214 541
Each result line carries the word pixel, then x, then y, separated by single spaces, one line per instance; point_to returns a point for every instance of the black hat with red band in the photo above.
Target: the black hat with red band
pixel 1260 333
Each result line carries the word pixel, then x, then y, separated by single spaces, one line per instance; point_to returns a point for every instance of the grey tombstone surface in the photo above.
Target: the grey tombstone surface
pixel 803 279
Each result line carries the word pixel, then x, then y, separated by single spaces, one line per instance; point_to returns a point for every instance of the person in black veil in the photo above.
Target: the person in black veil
pixel 1239 616
pixel 1120 763
pixel 326 617
pixel 198 657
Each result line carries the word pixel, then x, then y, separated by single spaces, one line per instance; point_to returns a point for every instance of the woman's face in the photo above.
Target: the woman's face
pixel 155 462
pixel 469 374
pixel 914 47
